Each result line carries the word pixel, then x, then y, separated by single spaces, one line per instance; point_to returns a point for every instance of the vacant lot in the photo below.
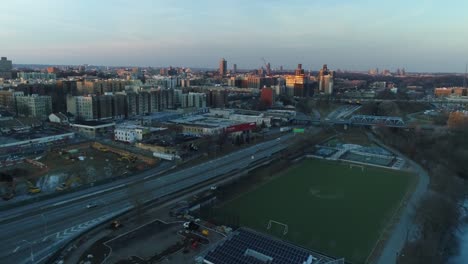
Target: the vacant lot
pixel 327 206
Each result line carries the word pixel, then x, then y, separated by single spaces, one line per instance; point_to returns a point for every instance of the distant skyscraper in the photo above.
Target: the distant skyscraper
pixel 326 80
pixel 234 68
pixel 297 84
pixel 222 67
pixel 268 69
pixel 5 68
pixel 299 70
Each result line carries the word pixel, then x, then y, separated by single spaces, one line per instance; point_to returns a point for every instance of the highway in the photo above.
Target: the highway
pixel 32 237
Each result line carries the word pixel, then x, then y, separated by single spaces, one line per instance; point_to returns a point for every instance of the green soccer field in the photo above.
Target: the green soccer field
pixel 327 206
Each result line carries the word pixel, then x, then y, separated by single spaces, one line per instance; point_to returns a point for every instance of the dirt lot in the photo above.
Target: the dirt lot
pixel 65 169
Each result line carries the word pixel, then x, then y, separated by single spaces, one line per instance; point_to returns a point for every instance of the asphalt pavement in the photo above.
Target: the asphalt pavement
pixel 36 231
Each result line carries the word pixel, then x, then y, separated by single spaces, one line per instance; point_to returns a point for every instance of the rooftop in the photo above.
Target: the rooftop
pixel 93 123
pixel 245 246
pixel 204 121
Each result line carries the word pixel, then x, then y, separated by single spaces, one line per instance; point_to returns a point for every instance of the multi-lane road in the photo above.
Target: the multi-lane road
pixel 32 233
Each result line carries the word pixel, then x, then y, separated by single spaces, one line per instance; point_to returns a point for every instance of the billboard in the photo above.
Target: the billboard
pixel 298 130
pixel 241 127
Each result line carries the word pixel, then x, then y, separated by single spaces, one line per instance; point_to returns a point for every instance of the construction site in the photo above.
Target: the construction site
pixel 62 169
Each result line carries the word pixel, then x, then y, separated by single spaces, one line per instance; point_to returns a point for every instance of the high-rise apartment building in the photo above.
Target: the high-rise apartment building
pixel 197 100
pixel 267 96
pixel 326 80
pixel 6 99
pixel 222 67
pixel 234 68
pixel 82 107
pixel 37 76
pixel 33 105
pixel 5 68
pixel 216 98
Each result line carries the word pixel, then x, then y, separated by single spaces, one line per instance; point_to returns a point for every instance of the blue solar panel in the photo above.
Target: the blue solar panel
pixel 233 250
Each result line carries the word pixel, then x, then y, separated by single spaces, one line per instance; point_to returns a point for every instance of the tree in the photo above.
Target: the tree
pixel 457 121
pixel 388 108
pixel 304 106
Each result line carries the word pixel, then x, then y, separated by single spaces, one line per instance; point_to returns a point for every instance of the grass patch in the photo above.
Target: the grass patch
pixel 328 206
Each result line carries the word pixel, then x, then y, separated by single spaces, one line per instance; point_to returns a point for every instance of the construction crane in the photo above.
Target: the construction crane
pixel 267 66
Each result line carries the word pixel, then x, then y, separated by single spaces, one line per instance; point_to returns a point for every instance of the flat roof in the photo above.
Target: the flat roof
pixel 204 121
pixel 93 123
pixel 33 133
pixel 245 246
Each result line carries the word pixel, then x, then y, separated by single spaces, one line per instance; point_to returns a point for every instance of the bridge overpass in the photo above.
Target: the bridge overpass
pixel 370 100
pixel 367 120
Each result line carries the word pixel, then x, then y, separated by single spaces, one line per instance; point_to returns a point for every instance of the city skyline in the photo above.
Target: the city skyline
pixel 419 36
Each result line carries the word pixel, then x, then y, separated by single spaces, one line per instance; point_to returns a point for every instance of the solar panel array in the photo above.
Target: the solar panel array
pixel 232 250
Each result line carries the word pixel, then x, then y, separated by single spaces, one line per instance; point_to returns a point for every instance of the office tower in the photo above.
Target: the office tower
pixel 5 68
pixel 222 67
pixel 326 80
pixel 299 70
pixel 234 68
pixel 297 84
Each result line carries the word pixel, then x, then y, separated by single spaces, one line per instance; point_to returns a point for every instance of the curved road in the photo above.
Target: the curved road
pixel 405 226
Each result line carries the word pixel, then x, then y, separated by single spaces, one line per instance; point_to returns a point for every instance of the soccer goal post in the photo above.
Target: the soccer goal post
pixel 356 166
pixel 285 226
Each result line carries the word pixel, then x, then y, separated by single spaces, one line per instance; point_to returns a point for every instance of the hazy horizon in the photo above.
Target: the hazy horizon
pixel 420 36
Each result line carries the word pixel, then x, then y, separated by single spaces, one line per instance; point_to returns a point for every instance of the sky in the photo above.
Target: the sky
pixel 418 35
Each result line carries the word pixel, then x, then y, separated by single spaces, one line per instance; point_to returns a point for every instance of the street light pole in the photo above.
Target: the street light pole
pixel 106 204
pixel 31 249
pixel 45 224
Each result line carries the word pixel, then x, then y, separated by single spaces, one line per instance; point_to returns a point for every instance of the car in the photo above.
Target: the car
pixel 186 224
pixel 213 188
pixel 91 205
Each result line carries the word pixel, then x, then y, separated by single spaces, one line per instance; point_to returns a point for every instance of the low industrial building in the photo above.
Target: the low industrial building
pixel 207 126
pixel 131 133
pixel 93 129
pixel 26 138
pixel 246 116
